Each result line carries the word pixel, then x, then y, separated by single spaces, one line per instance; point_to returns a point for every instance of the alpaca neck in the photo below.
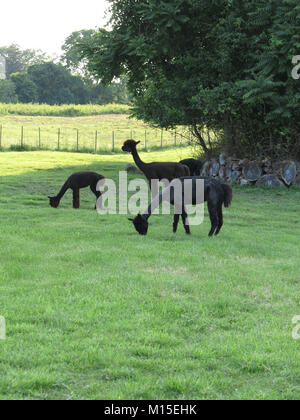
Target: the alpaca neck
pixel 154 205
pixel 62 192
pixel 139 163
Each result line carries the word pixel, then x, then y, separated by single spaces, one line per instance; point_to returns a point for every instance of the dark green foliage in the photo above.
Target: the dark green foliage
pixel 26 89
pixel 222 65
pixel 8 92
pixel 35 78
pixel 56 85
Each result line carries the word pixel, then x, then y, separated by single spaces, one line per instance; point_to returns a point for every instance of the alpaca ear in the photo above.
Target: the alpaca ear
pixel 131 220
pixel 137 142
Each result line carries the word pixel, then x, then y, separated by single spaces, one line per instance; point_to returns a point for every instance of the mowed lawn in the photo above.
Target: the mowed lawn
pixel 93 310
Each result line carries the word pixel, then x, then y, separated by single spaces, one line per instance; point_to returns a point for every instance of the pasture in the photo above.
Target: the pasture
pixel 93 310
pixel 44 110
pixel 85 133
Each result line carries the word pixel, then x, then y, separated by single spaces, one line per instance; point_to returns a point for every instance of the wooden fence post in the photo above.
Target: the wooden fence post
pixel 22 136
pixel 58 139
pixel 39 138
pixel 96 141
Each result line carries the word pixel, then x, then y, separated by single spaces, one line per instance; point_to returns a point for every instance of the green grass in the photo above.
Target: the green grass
pixel 62 110
pixel 93 310
pixel 112 131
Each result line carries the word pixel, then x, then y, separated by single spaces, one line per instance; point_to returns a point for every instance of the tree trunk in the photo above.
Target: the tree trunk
pixel 201 139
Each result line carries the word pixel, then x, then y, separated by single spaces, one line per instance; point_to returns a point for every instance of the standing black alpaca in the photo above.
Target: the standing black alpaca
pixel 194 166
pixel 75 183
pixel 155 170
pixel 215 193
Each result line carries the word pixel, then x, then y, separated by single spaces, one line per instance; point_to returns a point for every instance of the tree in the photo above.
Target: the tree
pixel 72 58
pixel 26 89
pixel 8 92
pixel 223 66
pixel 18 60
pixel 65 96
pixel 55 84
pixel 74 61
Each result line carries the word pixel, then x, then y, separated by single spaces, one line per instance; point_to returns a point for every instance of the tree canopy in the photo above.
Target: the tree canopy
pixel 72 55
pixel 25 88
pixel 18 60
pixel 8 92
pixel 56 85
pixel 34 77
pixel 223 66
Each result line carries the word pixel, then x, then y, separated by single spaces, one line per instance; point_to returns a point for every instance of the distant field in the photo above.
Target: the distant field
pixel 98 133
pixel 62 110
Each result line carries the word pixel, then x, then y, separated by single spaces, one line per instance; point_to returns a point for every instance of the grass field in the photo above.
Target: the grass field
pixel 53 132
pixel 93 310
pixel 62 110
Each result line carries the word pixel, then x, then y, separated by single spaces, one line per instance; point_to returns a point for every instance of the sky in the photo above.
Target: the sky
pixel 44 25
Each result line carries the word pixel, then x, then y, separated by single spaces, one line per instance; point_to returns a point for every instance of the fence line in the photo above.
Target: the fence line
pixel 93 141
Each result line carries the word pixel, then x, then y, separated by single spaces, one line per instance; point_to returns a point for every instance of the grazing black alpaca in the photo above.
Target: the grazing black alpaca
pixel 75 183
pixel 215 193
pixel 194 166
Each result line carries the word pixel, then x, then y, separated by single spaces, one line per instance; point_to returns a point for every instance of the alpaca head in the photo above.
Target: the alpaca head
pixel 130 145
pixel 54 202
pixel 140 224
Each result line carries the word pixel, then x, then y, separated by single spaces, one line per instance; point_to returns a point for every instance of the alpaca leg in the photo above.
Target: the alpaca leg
pixel 184 217
pixel 97 193
pixel 76 199
pixel 220 217
pixel 213 213
pixel 176 221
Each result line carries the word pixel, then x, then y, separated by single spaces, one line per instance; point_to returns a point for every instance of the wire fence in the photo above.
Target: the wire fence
pixel 87 140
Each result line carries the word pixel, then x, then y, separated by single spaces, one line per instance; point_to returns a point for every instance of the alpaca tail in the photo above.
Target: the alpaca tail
pixel 228 193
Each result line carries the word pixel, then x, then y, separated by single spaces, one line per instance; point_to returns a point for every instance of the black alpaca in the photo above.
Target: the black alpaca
pixel 75 183
pixel 215 193
pixel 194 166
pixel 155 170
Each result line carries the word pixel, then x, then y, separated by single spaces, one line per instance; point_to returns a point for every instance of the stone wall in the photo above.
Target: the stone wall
pixel 260 173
